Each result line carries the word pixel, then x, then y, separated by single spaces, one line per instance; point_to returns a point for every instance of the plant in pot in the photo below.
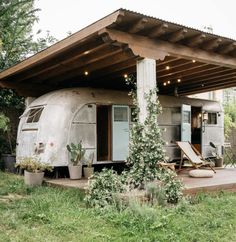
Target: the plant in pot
pixel 89 170
pixel 77 153
pixel 217 158
pixel 33 170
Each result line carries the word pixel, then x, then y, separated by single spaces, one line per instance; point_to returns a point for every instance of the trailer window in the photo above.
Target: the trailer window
pixel 212 118
pixel 186 117
pixel 120 114
pixel 34 115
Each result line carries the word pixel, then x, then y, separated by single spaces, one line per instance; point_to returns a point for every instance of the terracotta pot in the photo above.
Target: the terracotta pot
pixel 33 179
pixel 75 172
pixel 88 171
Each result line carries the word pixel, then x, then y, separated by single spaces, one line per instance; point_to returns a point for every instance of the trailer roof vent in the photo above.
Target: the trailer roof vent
pixel 34 115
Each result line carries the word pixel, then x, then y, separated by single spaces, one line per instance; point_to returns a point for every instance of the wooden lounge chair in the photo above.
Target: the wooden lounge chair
pixel 193 155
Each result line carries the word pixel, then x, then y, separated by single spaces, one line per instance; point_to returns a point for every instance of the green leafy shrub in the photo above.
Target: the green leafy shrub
pixel 103 188
pixel 172 186
pixel 146 146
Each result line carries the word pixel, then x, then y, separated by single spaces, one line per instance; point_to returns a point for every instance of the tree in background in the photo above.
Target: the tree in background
pixel 17 42
pixel 229 118
pixel 17 18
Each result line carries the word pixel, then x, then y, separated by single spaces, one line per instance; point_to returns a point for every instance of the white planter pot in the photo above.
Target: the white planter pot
pixel 75 172
pixel 88 171
pixel 33 179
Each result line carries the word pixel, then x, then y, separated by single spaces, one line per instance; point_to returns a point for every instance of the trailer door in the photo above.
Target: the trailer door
pixel 120 132
pixel 186 123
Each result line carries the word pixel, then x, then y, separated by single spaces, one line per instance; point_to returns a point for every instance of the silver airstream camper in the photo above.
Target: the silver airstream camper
pixel 102 119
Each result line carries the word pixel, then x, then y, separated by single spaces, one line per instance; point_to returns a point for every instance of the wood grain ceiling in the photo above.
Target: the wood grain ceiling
pixel 101 54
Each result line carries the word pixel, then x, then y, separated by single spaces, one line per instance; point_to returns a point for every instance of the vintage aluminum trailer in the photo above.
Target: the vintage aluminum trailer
pixel 102 119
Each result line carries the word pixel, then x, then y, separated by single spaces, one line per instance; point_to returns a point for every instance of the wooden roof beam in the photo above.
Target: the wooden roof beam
pixel 233 53
pixel 159 30
pixel 63 45
pixel 181 71
pixel 122 67
pixel 207 72
pixel 157 49
pixel 92 66
pixel 138 26
pixel 212 76
pixel 204 87
pixel 171 62
pixel 81 61
pixel 195 40
pixel 225 49
pixel 211 44
pixel 221 80
pixel 208 82
pixel 60 61
pixel 178 35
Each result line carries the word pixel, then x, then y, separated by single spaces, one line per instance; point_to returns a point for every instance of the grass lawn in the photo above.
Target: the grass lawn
pixel 54 214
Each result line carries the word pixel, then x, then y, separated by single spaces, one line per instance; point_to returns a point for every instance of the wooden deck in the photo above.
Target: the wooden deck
pixel 224 179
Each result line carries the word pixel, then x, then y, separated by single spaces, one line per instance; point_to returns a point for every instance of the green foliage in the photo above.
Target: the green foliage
pixel 229 118
pixel 156 194
pixel 32 164
pixel 146 146
pixel 103 188
pixel 172 186
pixel 4 127
pixel 77 152
pixel 9 98
pixel 61 215
pixel 4 122
pixel 17 18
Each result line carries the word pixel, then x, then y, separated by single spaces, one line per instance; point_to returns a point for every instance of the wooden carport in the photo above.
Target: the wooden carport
pixel 187 60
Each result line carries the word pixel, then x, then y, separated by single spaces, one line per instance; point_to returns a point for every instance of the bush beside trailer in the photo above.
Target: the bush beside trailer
pixel 102 119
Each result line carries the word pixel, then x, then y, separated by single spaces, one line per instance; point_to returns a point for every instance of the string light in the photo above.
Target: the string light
pixel 164 83
pixel 86 73
pixel 193 61
pixel 179 80
pixel 168 82
pixel 125 76
pixel 167 68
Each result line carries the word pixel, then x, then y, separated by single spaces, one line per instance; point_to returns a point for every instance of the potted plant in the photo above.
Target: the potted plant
pixel 33 170
pixel 218 159
pixel 89 170
pixel 76 156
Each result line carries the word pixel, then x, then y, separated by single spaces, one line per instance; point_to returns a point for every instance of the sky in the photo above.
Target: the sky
pixel 63 16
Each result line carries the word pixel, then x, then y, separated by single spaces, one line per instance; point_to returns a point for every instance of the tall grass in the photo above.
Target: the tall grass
pixel 54 214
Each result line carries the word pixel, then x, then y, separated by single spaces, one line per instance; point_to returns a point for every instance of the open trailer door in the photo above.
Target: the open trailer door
pixel 186 123
pixel 120 132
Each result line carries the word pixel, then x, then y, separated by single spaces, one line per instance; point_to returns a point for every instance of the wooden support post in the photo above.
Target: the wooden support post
pixel 146 81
